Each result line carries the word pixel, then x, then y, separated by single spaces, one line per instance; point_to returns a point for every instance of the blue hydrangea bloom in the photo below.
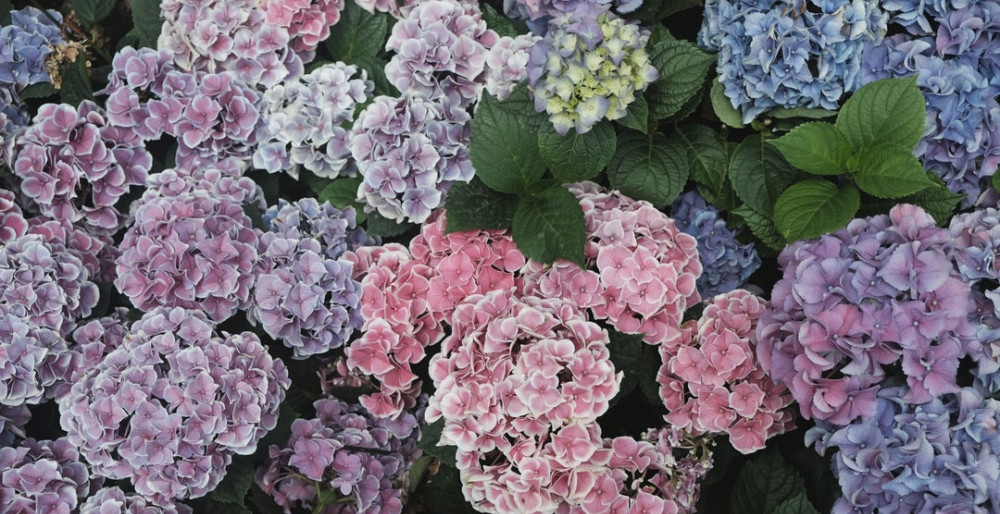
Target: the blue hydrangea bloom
pixel 24 45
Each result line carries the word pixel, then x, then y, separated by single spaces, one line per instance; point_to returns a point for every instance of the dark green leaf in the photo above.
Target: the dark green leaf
pixel 504 154
pixel 764 483
pixel 682 67
pixel 816 147
pixel 938 201
pixel 374 66
pixel 651 168
pixel 798 504
pixel 723 107
pixel 890 171
pixel 217 507
pixel 626 355
pixel 146 18
pixel 656 11
pixel 762 227
pixel 500 24
pixel 316 183
pixel 816 113
pixel 343 192
pixel 637 115
pixel 522 107
pixel 707 154
pixel 263 501
pixel 759 173
pixel 418 473
pixel 687 109
pixel 888 111
pixel 378 225
pixel 549 226
pixel 76 86
pixel 821 484
pixel 473 205
pixel 358 34
pixel 236 484
pixel 92 11
pixel 429 438
pixel 442 493
pixel 39 90
pixel 5 8
pixel 812 208
pixel 577 157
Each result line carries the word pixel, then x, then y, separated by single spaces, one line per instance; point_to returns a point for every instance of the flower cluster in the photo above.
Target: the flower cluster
pixel 409 150
pixel 212 115
pixel 43 476
pixel 507 64
pixel 712 383
pixel 94 340
pixel 534 10
pixel 345 460
pixel 34 359
pixel 726 263
pixel 96 253
pixel 396 8
pixel 880 292
pixel 939 456
pixel 169 407
pixel 803 53
pixel 646 269
pixel 335 229
pixel 112 500
pixel 440 53
pixel 26 42
pixel 588 68
pixel 307 22
pixel 302 121
pixel 189 247
pixel 519 383
pixel 74 166
pixel 12 222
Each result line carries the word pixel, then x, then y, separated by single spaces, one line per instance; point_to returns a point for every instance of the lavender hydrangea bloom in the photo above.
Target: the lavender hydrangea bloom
pixel 32 359
pixel 189 246
pixel 542 9
pixel 112 500
pixel 410 151
pixel 169 407
pixel 12 222
pixel 507 64
pixel 335 229
pixel 909 457
pixel 43 476
pixel 726 264
pixel 789 54
pixel 440 53
pixel 349 454
pixel 880 292
pixel 24 45
pixel 302 121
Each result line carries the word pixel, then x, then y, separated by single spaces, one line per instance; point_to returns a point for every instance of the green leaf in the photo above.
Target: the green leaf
pixel 937 200
pixel 499 23
pixel 92 11
pixel 343 192
pixel 651 168
pixel 765 482
pixel 522 107
pixel 683 67
pixel 816 147
pixel 39 90
pixel 76 86
pixel 378 225
pixel 577 157
pixel 723 108
pixel 889 171
pixel 626 354
pixel 147 20
pixel 429 438
pixel 656 11
pixel 762 227
pixel 473 205
pixel 236 484
pixel 374 66
pixel 707 154
pixel 504 154
pixel 798 504
pixel 812 208
pixel 759 173
pixel 549 226
pixel 637 115
pixel 996 181
pixel 816 113
pixel 5 8
pixel 442 492
pixel 888 111
pixel 358 34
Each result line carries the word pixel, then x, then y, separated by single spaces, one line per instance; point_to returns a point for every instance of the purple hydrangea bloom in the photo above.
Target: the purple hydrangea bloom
pixel 726 263
pixel 335 229
pixel 94 340
pixel 542 9
pixel 804 53
pixel 170 406
pixel 74 166
pixel 12 222
pixel 441 52
pixel 883 291
pixel 353 457
pixel 409 151
pixel 112 500
pixel 32 359
pixel 507 64
pixel 302 121
pixel 43 476
pixel 24 45
pixel 190 244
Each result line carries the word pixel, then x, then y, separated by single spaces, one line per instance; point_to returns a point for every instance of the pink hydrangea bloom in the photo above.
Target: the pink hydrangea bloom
pixel 12 222
pixel 712 382
pixel 43 476
pixel 112 500
pixel 308 21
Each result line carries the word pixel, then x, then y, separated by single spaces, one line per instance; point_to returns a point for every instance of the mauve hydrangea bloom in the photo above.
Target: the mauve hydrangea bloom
pixel 881 292
pixel 96 252
pixel 308 22
pixel 170 406
pixel 13 418
pixel 355 459
pixel 12 222
pixel 74 166
pixel 335 229
pixel 939 456
pixel 520 383
pixel 94 340
pixel 800 53
pixel 32 360
pixel 399 8
pixel 189 247
pixel 726 263
pixel 112 500
pixel 507 64
pixel 646 269
pixel 440 53
pixel 409 150
pixel 43 476
pixel 302 121
pixel 541 9
pixel 711 382
pixel 588 68
pixel 24 45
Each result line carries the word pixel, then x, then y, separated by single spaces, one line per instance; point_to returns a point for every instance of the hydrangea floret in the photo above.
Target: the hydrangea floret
pixel 112 500
pixel 588 68
pixel 173 403
pixel 43 476
pixel 881 292
pixel 712 383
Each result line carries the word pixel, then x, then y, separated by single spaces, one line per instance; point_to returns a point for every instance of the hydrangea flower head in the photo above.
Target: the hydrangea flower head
pixel 882 291
pixel 507 64
pixel 335 229
pixel 170 406
pixel 112 500
pixel 24 46
pixel 588 68
pixel 43 476
pixel 12 222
